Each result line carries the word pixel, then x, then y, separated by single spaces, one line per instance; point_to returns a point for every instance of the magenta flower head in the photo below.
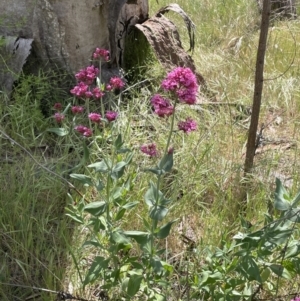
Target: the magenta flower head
pixel 57 106
pixel 296 299
pixel 101 54
pixel 111 115
pixel 116 83
pixel 59 117
pixel 88 133
pixel 149 149
pixel 98 93
pixel 108 87
pixel 80 128
pixel 77 109
pixel 85 131
pixel 187 126
pixel 162 106
pixel 88 94
pixel 87 75
pixel 80 90
pixel 95 117
pixel 183 82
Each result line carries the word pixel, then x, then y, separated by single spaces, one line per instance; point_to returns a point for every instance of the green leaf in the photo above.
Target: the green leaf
pixel 130 205
pixel 163 201
pixel 165 230
pixel 293 250
pixel 152 195
pixel 99 185
pixel 102 223
pixel 281 202
pixel 118 170
pixel 155 170
pixel 123 150
pixel 96 268
pixel 146 224
pixel 134 284
pixel 280 271
pixel 249 269
pixel 116 192
pixel 120 237
pixel 100 166
pixel 159 297
pixel 166 163
pixel 157 265
pixel 97 223
pixel 140 237
pixel 265 274
pixel 168 267
pixel 296 200
pixel 93 242
pixel 76 217
pixel 129 158
pixel 158 212
pixel 210 278
pixel 120 214
pixel 66 109
pixel 83 179
pixel 293 215
pixel 118 142
pixel 96 208
pixel 59 131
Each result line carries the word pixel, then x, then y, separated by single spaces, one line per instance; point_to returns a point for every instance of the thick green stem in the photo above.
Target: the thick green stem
pixel 100 84
pixel 155 222
pixel 88 112
pixel 171 130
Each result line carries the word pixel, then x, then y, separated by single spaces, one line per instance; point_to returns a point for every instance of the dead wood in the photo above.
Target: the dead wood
pixel 13 54
pixel 163 37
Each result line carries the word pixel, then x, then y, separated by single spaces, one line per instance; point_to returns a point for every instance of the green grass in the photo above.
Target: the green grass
pixel 34 232
pixel 206 183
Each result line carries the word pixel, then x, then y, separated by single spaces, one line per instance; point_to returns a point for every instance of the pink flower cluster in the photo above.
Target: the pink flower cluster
pixel 77 110
pixel 101 54
pixel 59 117
pixel 296 299
pixel 81 90
pixel 111 115
pixel 87 75
pixel 115 83
pixel 98 93
pixel 188 125
pixel 85 88
pixel 57 106
pixel 95 117
pixel 183 82
pixel 149 149
pixel 162 106
pixel 85 131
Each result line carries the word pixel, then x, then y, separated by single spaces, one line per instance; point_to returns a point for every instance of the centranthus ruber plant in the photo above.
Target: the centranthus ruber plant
pixel 108 182
pixel 76 118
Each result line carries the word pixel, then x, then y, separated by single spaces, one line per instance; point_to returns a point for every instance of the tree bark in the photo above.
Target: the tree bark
pixel 65 33
pixel 259 80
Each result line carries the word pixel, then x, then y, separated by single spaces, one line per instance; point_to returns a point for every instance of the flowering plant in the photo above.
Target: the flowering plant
pixel 89 89
pixel 108 179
